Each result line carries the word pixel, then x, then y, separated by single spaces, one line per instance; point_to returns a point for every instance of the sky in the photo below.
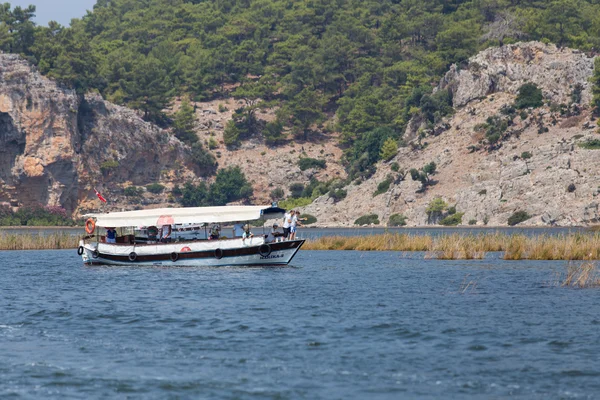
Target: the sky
pixel 58 10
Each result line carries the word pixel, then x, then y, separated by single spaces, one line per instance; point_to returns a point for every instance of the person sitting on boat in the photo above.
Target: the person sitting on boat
pixel 165 236
pixel 111 235
pixel 247 234
pixel 215 232
pixel 275 234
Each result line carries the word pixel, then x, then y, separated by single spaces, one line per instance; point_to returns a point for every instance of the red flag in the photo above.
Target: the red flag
pixel 99 195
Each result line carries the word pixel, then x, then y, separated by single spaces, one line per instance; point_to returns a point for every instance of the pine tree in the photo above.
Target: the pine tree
pixel 183 123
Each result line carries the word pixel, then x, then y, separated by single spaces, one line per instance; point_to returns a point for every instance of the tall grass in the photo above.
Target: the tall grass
pixel 456 246
pixel 58 240
pixel 582 276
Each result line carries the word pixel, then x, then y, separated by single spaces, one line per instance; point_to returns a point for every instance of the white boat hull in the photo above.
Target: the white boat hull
pixel 212 253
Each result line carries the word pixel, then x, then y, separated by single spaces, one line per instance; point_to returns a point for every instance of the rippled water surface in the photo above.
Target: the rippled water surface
pixel 335 325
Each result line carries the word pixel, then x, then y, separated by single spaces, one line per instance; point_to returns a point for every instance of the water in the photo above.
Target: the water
pixel 335 325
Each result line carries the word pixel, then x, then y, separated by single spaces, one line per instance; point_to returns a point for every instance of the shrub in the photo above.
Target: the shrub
pixel 452 210
pixel 307 163
pixel 395 167
pixel 388 149
pixel 222 108
pixel 276 194
pixel 230 185
pixel 367 220
pixel 529 96
pixel 155 188
pixel 526 155
pixel 452 220
pixel 482 192
pixel 203 159
pixel 290 204
pixel 296 190
pixel 176 191
pixel 133 191
pixel 383 186
pixel 309 219
pixel 435 208
pixel 518 217
pixel 523 114
pixel 397 220
pixel 212 143
pixel 337 194
pixel 571 188
pixel 591 144
pixel 108 166
pixel 231 135
pixel 472 222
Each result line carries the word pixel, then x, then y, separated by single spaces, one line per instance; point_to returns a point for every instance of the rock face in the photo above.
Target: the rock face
pixel 540 169
pixel 53 143
pixel 505 69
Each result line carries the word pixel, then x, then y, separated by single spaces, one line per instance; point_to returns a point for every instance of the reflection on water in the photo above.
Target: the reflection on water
pixel 337 324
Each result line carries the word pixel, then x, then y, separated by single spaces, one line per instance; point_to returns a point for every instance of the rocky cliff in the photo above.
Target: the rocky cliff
pixel 56 145
pixel 540 167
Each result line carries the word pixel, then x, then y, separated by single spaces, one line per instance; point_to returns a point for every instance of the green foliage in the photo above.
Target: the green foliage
pixel 337 194
pixel 397 220
pixel 595 79
pixel 277 194
pixel 472 222
pixel 529 96
pixel 308 219
pixel 273 133
pixel 230 185
pixel 296 190
pixel 203 159
pixel 435 208
pixel 307 163
pixel 590 144
pixel 292 203
pixel 452 219
pixel 35 216
pixel 231 135
pixel 133 191
pixel 183 123
pixel 155 188
pixel 518 217
pixel 424 175
pixel 526 155
pixel 384 185
pixel 494 128
pixel 367 220
pixel 395 167
pixel 365 151
pixel 388 149
pixel 109 165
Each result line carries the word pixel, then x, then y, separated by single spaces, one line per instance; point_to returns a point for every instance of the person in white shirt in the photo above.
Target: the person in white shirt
pixel 247 234
pixel 295 223
pixel 238 230
pixel 275 234
pixel 287 223
pixel 215 232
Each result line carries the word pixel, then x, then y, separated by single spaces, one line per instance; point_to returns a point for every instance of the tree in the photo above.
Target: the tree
pixel 304 110
pixel 388 149
pixel 184 123
pixel 424 175
pixel 230 185
pixel 435 209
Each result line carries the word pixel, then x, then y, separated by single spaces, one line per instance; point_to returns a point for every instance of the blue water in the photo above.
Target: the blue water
pixel 335 325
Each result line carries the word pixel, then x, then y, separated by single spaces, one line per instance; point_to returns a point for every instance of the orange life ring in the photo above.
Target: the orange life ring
pixel 90 225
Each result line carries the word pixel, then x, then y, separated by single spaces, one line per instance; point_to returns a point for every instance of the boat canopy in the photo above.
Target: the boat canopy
pixel 187 215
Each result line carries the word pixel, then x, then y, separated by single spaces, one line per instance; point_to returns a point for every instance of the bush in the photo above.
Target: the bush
pixel 108 166
pixel 367 220
pixel 296 190
pixel 290 204
pixel 176 191
pixel 388 149
pixel 231 135
pixel 395 167
pixel 383 186
pixel 529 96
pixel 212 143
pixel 472 222
pixel 309 219
pixel 133 191
pixel 397 220
pixel 526 155
pixel 203 159
pixel 591 144
pixel 435 208
pixel 230 185
pixel 276 194
pixel 155 188
pixel 452 220
pixel 307 163
pixel 35 216
pixel 337 194
pixel 518 217
pixel 571 188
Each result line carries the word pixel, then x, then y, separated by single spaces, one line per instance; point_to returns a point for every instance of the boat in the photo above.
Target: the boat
pixel 131 248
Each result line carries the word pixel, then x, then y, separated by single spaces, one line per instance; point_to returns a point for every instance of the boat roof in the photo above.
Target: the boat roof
pixel 186 215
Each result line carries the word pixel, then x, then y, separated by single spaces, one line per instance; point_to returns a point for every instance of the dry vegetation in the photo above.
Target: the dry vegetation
pixel 59 240
pixel 455 246
pixel 581 276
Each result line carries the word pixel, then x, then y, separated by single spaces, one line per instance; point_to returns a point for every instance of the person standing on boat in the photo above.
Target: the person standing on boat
pixel 215 232
pixel 294 224
pixel 287 223
pixel 111 235
pixel 165 236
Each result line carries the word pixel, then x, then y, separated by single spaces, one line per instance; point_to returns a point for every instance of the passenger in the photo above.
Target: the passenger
pixel 215 232
pixel 165 236
pixel 294 225
pixel 287 223
pixel 275 235
pixel 238 230
pixel 111 235
pixel 247 234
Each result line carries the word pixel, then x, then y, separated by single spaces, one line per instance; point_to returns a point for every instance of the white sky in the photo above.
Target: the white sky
pixel 61 11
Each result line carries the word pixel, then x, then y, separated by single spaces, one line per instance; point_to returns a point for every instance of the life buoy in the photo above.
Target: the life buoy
pixel 80 250
pixel 174 256
pixel 96 253
pixel 218 254
pixel 132 256
pixel 90 226
pixel 264 250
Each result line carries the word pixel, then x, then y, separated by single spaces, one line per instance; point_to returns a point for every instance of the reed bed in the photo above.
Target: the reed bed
pixel 58 240
pixel 456 246
pixel 582 276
